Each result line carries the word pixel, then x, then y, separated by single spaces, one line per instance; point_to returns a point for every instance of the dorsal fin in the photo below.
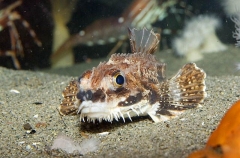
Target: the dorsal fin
pixel 143 40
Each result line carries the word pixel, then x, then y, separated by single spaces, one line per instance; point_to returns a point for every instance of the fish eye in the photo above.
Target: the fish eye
pixel 118 79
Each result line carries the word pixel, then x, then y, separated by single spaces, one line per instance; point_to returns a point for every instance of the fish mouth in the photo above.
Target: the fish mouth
pixel 102 111
pixel 99 111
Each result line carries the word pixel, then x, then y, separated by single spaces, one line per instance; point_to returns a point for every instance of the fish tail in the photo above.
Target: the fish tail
pixel 185 90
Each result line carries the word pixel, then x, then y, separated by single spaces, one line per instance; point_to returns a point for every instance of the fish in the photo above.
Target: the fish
pixel 134 84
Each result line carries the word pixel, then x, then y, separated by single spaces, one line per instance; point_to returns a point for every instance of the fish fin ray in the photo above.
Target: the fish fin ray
pixel 70 103
pixel 143 40
pixel 186 90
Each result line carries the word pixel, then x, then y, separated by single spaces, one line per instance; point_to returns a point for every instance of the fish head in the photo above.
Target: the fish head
pixel 116 88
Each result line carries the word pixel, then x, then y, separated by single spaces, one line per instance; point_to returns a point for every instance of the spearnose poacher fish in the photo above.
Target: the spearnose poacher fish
pixel 134 84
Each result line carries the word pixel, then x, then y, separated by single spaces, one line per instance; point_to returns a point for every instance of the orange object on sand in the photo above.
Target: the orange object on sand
pixel 224 142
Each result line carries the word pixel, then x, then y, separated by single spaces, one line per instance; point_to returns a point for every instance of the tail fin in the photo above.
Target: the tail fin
pixel 183 91
pixel 70 103
pixel 143 40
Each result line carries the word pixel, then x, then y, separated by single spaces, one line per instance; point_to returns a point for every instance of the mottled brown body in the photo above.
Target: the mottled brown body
pixel 134 83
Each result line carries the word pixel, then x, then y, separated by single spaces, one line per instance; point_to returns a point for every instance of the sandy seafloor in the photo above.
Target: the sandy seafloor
pixel 40 95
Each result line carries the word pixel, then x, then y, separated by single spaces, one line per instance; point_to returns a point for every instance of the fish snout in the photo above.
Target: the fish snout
pixel 85 95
